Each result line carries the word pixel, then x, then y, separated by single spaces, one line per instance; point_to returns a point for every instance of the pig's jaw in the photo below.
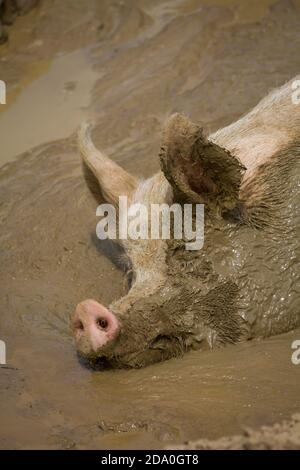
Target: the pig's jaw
pixel 161 348
pixel 126 350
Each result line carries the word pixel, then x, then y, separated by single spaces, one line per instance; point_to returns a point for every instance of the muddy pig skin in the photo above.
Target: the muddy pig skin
pixel 244 282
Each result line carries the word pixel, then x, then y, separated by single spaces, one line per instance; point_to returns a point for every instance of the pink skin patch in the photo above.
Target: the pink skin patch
pixel 94 322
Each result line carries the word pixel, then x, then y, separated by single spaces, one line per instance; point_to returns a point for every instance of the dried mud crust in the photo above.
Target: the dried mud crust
pixel 283 436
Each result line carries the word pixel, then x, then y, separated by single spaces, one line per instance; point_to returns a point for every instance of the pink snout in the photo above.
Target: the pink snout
pixel 94 326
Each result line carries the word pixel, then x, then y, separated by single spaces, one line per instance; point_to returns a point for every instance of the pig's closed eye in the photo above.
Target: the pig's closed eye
pixel 161 342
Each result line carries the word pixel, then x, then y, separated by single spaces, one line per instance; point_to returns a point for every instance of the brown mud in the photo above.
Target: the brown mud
pixel 127 65
pixel 283 436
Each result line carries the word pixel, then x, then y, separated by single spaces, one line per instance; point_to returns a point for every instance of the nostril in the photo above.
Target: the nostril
pixel 102 323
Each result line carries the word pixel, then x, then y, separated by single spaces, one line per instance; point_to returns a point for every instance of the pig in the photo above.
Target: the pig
pixel 244 282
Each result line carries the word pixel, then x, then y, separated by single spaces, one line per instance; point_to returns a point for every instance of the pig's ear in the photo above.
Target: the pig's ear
pixel 199 170
pixel 113 180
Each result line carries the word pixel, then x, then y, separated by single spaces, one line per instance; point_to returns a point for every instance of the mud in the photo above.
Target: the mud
pixel 127 65
pixel 9 11
pixel 284 436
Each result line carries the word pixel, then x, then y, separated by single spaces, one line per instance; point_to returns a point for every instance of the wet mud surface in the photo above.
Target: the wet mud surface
pixel 283 436
pixel 126 65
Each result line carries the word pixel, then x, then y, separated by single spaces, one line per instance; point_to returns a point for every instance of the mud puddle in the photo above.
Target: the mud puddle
pixel 146 60
pixel 49 108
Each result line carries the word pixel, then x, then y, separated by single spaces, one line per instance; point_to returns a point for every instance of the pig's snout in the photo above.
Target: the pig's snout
pixel 94 326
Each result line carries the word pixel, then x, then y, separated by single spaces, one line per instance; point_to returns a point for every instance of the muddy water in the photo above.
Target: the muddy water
pixel 127 65
pixel 57 102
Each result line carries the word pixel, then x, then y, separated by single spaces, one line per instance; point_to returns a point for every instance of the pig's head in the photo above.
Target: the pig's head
pixel 177 299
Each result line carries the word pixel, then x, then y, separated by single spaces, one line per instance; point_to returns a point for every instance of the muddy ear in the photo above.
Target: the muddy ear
pixel 199 170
